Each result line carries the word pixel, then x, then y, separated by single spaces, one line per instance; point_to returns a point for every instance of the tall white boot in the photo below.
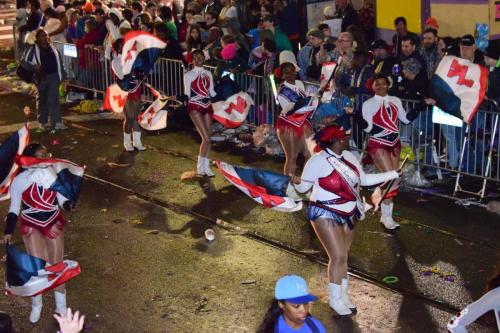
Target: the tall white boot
pixel 36 309
pixel 345 296
pixel 200 166
pixel 137 141
pixel 60 302
pixel 386 216
pixel 335 300
pixel 127 142
pixel 206 165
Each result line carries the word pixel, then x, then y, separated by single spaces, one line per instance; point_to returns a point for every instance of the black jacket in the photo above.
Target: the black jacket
pixel 349 16
pixel 35 20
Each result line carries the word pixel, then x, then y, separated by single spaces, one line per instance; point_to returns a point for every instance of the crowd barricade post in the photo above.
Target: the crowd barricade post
pixel 437 147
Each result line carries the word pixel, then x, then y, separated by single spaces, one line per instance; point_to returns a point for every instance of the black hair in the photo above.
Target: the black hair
pixel 269 45
pixel 197 51
pixel 150 5
pixel 228 39
pixel 212 13
pixel 431 30
pixel 379 76
pixel 161 29
pixel 31 149
pixel 400 19
pixel 118 45
pixel 269 322
pixel 166 13
pixel 137 6
pixel 50 12
pixel 409 38
pixel 127 14
pixel 99 11
pixel 35 3
pixel 323 26
pixel 5 323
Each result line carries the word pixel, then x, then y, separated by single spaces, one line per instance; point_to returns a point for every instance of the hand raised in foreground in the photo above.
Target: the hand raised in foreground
pixel 69 323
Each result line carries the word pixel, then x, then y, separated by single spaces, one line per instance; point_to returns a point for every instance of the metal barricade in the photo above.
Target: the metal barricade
pixel 438 147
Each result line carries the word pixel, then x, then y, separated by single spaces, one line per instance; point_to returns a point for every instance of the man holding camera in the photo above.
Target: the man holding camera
pixel 312 56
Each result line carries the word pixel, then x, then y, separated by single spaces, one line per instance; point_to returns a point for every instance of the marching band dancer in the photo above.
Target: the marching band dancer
pixel 292 133
pixel 380 117
pixel 131 129
pixel 41 220
pixel 334 175
pixel 199 88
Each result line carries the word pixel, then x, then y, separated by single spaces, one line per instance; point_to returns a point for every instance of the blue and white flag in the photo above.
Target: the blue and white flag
pixel 30 276
pixel 267 188
pixel 140 52
pixel 13 146
pixel 58 175
pixel 459 86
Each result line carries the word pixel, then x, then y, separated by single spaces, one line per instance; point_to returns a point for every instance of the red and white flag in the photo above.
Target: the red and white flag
pixel 140 51
pixel 233 111
pixel 115 98
pixel 154 118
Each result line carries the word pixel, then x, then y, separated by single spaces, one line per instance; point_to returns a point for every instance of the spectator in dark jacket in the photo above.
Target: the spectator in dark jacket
pixel 345 12
pixel 173 50
pixel 402 32
pixel 50 73
pixel 409 50
pixel 354 81
pixel 383 62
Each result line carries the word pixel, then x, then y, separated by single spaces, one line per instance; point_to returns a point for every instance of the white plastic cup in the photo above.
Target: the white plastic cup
pixel 209 235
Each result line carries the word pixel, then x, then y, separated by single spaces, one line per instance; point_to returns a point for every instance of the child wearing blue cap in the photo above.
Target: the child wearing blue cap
pixel 289 312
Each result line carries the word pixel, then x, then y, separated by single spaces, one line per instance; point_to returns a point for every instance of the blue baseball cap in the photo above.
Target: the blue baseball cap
pixel 293 289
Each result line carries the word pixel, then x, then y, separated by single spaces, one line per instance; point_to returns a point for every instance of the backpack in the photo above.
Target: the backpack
pixel 27 71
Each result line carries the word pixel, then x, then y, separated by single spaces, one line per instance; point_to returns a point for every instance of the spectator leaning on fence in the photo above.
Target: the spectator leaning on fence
pixel 49 75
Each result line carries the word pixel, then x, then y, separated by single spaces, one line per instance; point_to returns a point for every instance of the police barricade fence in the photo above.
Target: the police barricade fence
pixel 435 146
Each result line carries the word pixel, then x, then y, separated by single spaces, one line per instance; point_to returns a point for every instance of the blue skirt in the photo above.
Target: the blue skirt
pixel 314 212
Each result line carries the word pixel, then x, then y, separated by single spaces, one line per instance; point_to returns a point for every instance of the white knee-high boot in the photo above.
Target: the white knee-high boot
pixel 36 308
pixel 386 216
pixel 127 142
pixel 200 166
pixel 345 295
pixel 336 300
pixel 60 299
pixel 137 141
pixel 208 171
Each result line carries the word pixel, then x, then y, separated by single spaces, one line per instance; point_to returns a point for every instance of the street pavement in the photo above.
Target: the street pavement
pixel 138 234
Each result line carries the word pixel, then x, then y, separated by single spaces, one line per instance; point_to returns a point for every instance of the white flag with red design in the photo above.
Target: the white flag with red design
pixel 115 98
pixel 233 111
pixel 154 118
pixel 140 51
pixel 459 86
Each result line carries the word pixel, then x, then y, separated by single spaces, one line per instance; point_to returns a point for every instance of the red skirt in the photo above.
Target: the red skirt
pixel 50 230
pixel 374 146
pixel 192 107
pixel 283 125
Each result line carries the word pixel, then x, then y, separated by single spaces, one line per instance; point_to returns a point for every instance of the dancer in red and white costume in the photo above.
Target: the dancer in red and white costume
pixel 41 222
pixel 292 132
pixel 335 175
pixel 199 88
pixel 381 116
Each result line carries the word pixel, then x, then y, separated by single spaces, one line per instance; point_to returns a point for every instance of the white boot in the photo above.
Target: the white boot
pixel 386 216
pixel 345 295
pixel 137 141
pixel 208 171
pixel 60 302
pixel 36 309
pixel 127 142
pixel 335 300
pixel 200 166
